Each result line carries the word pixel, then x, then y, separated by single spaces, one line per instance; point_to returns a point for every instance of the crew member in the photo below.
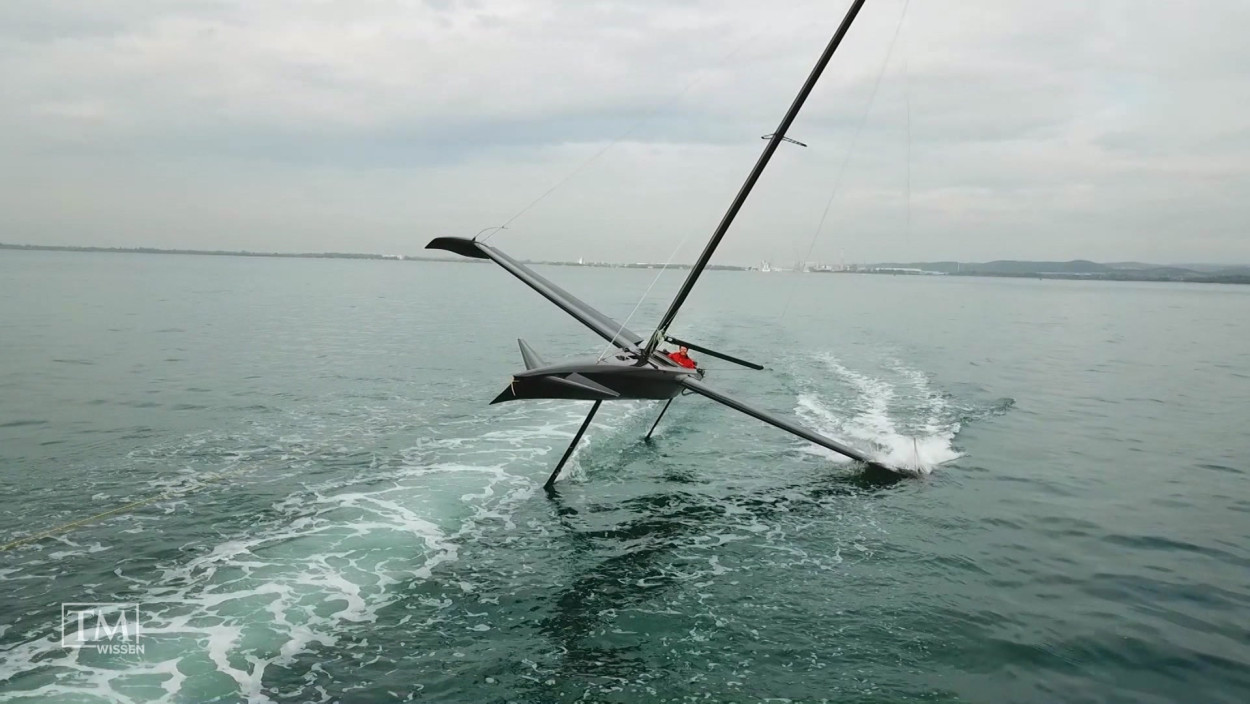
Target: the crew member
pixel 682 359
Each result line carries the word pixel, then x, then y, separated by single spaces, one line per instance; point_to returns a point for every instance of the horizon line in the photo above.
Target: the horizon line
pixel 143 249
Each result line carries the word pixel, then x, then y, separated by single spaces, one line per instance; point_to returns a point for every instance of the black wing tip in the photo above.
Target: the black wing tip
pixel 878 475
pixel 457 245
pixel 878 467
pixel 508 394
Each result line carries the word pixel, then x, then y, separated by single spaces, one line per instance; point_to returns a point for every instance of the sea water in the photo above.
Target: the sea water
pixel 315 502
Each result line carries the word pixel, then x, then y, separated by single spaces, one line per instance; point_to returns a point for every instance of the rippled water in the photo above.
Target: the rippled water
pixel 326 508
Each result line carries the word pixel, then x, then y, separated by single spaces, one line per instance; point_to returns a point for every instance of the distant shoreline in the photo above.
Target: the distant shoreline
pixel 334 255
pixel 1196 278
pixel 223 252
pixel 1078 270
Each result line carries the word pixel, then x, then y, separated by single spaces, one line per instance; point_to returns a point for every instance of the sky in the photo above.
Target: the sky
pixel 1111 130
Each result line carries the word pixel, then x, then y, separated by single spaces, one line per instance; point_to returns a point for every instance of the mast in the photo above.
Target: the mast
pixel 774 141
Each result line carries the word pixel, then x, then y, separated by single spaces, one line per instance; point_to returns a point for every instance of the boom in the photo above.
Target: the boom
pixel 603 326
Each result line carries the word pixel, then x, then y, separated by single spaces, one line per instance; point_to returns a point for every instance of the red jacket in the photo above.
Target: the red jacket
pixel 682 359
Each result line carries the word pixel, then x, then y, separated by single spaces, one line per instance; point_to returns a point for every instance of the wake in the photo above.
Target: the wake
pixel 898 418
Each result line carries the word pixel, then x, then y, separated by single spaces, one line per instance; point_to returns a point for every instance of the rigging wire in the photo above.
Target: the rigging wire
pixel 769 136
pixel 837 182
pixel 641 121
pixel 646 293
pixel 907 185
pixel 650 115
pixel 575 171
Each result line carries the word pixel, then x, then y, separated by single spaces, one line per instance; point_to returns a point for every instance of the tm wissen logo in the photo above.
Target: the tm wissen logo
pixel 108 628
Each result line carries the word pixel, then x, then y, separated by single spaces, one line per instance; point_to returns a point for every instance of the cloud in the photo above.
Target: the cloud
pixel 1001 128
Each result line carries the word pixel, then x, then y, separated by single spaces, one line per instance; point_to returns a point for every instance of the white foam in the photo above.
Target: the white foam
pixel 260 597
pixel 903 423
pixel 323 562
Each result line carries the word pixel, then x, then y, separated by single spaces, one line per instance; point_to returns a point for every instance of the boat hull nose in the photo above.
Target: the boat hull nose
pixel 506 395
pixel 553 387
pixel 594 383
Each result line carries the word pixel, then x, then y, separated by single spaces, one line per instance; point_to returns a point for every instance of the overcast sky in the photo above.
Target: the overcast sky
pixel 1112 130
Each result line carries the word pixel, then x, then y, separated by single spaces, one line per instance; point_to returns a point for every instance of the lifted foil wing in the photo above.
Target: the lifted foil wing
pixel 604 326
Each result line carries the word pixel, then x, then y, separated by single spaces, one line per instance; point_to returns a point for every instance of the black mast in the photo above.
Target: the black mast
pixel 776 139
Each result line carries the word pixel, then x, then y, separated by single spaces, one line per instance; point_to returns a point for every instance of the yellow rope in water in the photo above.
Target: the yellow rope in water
pixel 169 494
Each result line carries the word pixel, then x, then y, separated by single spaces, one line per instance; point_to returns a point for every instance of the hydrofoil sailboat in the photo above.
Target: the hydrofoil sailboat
pixel 637 369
